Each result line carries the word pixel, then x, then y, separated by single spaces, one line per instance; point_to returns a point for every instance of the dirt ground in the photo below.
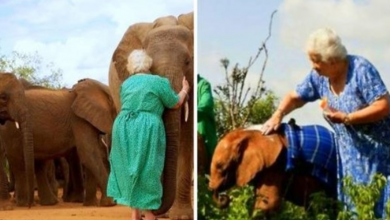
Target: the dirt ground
pixel 67 211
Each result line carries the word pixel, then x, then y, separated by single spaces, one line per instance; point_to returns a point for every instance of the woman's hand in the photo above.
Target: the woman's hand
pixel 273 123
pixel 335 116
pixel 186 86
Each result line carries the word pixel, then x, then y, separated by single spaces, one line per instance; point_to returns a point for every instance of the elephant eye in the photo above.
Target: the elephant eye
pixel 187 62
pixel 3 97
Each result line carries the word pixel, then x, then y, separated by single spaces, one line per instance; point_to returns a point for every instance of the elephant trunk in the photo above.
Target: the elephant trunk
pixel 222 200
pixel 28 153
pixel 172 128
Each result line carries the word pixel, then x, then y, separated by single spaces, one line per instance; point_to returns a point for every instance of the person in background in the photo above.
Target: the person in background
pixel 138 140
pixel 358 109
pixel 206 118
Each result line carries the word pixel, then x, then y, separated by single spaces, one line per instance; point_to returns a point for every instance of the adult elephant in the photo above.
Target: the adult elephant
pixel 58 120
pixel 292 163
pixel 169 41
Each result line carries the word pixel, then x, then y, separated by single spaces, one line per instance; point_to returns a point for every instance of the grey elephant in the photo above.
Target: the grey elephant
pixel 169 41
pixel 56 121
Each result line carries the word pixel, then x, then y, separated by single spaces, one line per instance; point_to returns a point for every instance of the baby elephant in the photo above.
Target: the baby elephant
pixel 291 163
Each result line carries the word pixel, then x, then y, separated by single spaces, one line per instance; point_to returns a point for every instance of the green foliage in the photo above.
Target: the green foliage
pixel 241 203
pixel 363 197
pixel 257 113
pixel 320 207
pixel 31 68
pixel 263 108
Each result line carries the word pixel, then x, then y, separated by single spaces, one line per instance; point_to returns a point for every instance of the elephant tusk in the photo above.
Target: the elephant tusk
pixel 186 109
pixel 104 143
pixel 17 125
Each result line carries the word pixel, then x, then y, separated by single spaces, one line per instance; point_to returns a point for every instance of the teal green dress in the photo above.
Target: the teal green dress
pixel 138 142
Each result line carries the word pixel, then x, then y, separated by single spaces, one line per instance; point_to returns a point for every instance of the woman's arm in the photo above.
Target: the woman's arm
pixel 183 94
pixel 289 103
pixel 378 110
pixel 182 97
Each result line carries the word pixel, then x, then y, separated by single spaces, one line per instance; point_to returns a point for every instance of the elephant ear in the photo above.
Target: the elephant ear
pixel 131 40
pixel 187 20
pixel 93 102
pixel 260 152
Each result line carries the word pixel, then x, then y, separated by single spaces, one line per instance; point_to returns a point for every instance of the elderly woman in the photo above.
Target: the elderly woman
pixel 138 140
pixel 359 110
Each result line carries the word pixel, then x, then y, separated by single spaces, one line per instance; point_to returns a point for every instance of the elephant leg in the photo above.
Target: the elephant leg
pixel 5 203
pixel 51 177
pixel 73 177
pixel 90 189
pixel 89 147
pixel 269 190
pixel 182 207
pixel 45 190
pixel 90 183
pixel 16 165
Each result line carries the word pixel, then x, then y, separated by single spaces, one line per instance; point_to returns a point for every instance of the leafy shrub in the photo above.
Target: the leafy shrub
pixel 320 208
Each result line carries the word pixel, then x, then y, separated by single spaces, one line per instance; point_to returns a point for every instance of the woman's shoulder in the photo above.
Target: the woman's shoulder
pixel 159 78
pixel 359 61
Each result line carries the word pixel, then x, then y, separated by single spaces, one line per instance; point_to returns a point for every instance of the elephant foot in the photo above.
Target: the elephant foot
pixel 6 205
pixel 107 201
pixel 73 198
pixel 23 202
pixel 91 202
pixel 181 212
pixel 48 202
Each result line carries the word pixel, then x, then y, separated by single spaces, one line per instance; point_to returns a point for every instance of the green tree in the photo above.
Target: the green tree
pixel 237 103
pixel 32 68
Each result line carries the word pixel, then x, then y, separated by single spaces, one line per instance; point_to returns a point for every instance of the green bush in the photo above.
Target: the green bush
pixel 320 208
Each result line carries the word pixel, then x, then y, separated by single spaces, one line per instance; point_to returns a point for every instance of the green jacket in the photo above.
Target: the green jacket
pixel 206 117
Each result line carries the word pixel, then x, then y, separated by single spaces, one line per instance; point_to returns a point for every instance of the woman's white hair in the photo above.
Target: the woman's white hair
pixel 138 62
pixel 327 44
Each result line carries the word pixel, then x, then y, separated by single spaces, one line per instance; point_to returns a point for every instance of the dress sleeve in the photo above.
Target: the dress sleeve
pixel 308 89
pixel 206 102
pixel 370 83
pixel 168 96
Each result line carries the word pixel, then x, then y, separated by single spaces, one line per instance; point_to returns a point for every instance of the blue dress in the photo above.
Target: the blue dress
pixel 364 149
pixel 138 142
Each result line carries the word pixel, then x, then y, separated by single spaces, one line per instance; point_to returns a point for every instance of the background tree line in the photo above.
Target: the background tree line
pixel 33 68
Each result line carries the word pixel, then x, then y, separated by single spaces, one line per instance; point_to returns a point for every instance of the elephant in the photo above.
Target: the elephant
pixel 169 41
pixel 57 120
pixel 245 156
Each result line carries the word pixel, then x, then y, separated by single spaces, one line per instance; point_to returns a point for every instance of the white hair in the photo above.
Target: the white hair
pixel 138 61
pixel 327 44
